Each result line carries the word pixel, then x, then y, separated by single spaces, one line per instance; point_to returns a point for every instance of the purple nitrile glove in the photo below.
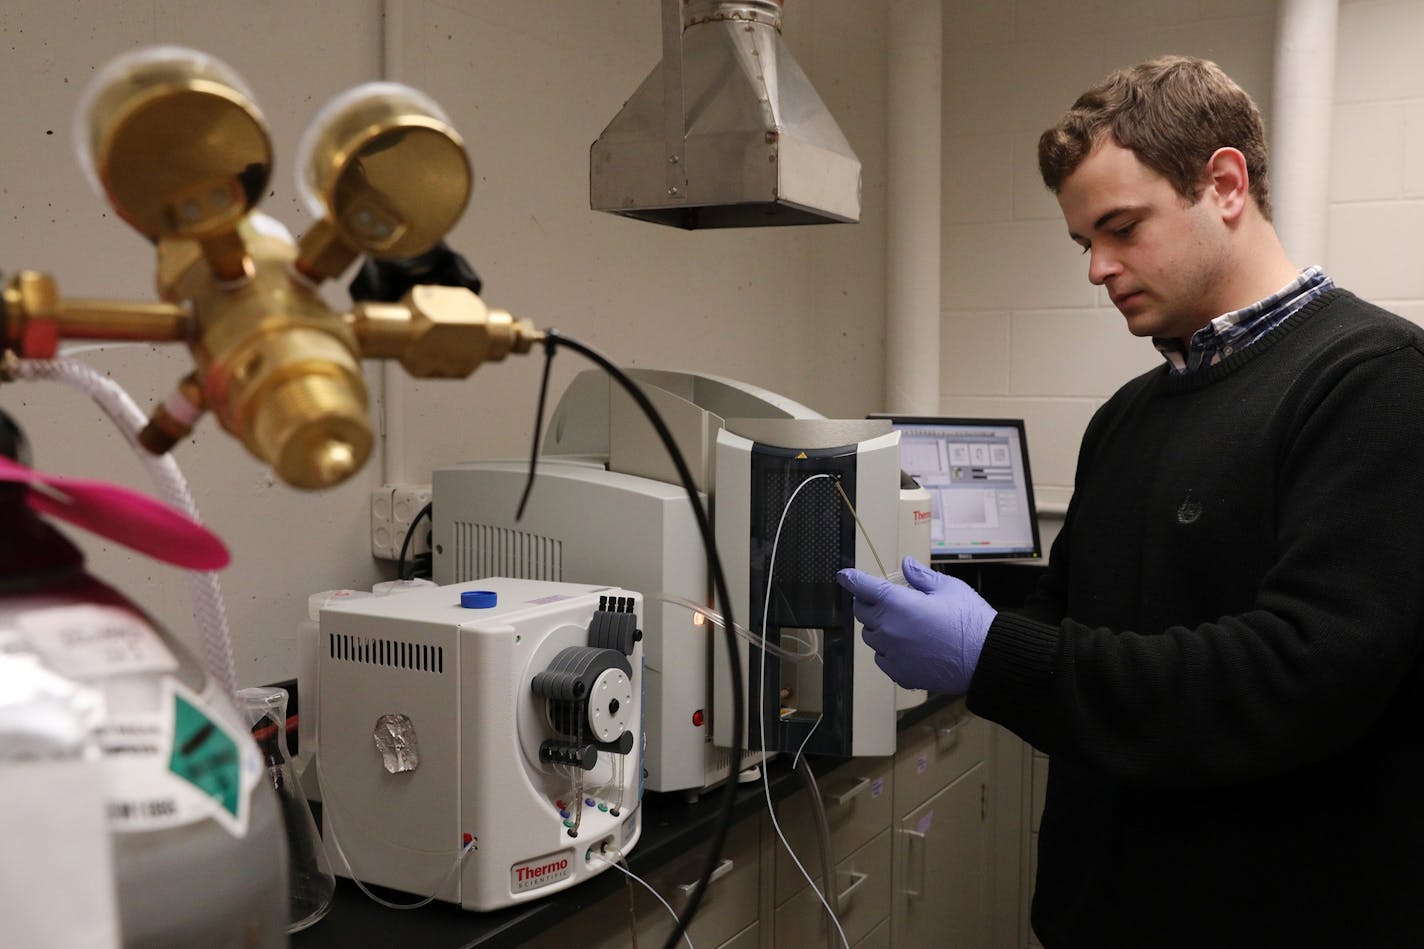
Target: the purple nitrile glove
pixel 926 636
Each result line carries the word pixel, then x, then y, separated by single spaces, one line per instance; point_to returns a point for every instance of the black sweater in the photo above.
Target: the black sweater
pixel 1223 659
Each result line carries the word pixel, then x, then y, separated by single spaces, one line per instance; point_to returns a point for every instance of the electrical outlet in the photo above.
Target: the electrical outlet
pixel 393 508
pixel 382 527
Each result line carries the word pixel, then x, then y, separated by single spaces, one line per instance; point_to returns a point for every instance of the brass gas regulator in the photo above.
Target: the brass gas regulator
pixel 176 143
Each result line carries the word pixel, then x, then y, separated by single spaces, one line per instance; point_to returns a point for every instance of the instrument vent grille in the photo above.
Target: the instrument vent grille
pixel 485 550
pixel 391 653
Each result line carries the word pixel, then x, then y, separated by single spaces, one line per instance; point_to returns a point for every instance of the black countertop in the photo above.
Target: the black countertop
pixel 671 827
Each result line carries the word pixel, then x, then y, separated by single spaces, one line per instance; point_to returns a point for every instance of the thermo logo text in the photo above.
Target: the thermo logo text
pixel 540 871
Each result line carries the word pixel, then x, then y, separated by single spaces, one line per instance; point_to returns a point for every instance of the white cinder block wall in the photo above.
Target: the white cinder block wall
pixel 1024 333
pixel 1376 239
pixel 530 84
pixel 799 311
pixel 293 57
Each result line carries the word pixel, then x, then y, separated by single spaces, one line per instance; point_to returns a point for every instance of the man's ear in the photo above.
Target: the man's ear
pixel 1228 184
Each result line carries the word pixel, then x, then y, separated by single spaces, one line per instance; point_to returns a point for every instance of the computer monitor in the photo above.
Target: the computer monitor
pixel 981 493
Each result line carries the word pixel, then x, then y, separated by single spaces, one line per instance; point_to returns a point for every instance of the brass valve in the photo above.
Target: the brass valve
pixel 385 174
pixel 35 317
pixel 440 332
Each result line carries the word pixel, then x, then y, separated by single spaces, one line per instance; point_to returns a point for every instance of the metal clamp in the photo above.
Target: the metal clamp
pixel 723 868
pixel 674 110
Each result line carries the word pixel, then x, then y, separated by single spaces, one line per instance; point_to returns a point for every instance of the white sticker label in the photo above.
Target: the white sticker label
pixel 551 598
pixel 922 764
pixel 54 811
pixel 541 871
pixel 91 642
pixel 135 748
pixel 177 765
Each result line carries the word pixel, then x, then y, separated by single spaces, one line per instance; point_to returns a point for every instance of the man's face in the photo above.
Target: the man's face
pixel 1159 258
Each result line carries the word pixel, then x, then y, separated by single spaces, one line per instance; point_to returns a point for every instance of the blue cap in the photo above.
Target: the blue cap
pixel 478 599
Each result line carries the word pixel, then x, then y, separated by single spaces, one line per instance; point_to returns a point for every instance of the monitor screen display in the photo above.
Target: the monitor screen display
pixel 981 492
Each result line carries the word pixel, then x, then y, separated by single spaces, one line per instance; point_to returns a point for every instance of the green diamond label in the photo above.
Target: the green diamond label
pixel 206 756
pixel 178 762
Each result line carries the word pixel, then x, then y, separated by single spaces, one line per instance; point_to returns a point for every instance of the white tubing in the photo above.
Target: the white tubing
pixel 912 196
pixel 602 854
pixel 761 719
pixel 204 586
pixel 718 620
pixel 1301 126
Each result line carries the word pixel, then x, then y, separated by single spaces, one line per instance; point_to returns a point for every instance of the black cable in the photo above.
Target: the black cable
pixel 409 533
pixel 549 345
pixel 719 580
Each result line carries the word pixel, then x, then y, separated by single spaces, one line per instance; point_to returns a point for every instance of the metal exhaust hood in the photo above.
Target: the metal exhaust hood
pixel 726 131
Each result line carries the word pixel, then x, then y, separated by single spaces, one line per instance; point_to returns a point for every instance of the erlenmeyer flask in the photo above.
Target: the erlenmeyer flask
pixel 311 883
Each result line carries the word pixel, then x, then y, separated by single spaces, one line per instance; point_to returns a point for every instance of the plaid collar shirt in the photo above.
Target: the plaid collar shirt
pixel 1240 328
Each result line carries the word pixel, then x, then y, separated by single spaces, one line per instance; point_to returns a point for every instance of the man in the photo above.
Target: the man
pixel 1223 657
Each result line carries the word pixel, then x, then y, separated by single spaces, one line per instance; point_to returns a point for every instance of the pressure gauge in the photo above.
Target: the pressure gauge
pixel 382 164
pixel 174 140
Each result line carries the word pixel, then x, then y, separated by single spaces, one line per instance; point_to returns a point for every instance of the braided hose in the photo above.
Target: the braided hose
pixel 204 587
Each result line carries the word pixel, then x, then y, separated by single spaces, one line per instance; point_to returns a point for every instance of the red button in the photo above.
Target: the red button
pixel 697 718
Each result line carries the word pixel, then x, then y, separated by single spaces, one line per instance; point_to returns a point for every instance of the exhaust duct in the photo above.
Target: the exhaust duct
pixel 726 131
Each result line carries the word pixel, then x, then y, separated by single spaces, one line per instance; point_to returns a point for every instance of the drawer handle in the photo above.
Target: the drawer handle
pixel 947 738
pixel 723 868
pixel 915 893
pixel 857 880
pixel 841 799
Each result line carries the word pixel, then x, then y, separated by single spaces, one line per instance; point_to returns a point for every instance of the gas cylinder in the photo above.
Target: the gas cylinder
pixel 196 838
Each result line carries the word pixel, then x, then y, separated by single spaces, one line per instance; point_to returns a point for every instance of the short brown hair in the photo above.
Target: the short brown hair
pixel 1173 113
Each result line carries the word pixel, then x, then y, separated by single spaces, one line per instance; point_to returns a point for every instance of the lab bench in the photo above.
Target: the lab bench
pixel 886 814
pixel 930 849
pixel 671 827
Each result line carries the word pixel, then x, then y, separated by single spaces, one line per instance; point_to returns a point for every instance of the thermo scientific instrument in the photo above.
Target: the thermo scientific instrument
pixel 607 510
pixel 481 742
pixel 795 503
pixel 125 770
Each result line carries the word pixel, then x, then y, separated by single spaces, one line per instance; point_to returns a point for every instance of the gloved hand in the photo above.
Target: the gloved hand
pixel 926 636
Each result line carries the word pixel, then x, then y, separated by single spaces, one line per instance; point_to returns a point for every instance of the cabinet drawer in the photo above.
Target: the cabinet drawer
pixel 1038 769
pixel 1028 890
pixel 863 884
pixel 857 798
pixel 730 904
pixel 748 938
pixel 941 895
pixel 604 925
pixel 727 913
pixel 935 752
pixel 879 938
